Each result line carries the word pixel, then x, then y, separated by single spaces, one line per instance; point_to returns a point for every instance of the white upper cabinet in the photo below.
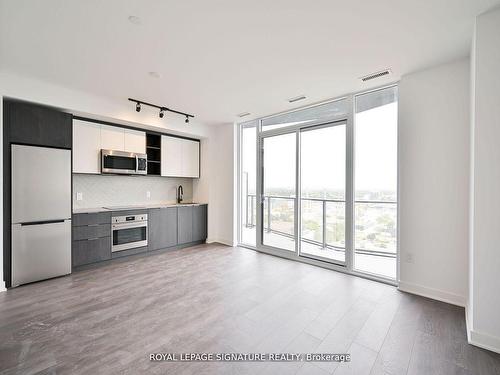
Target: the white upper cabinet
pixel 171 156
pixel 180 157
pixel 120 139
pixel 191 158
pixel 86 147
pixel 112 138
pixel 89 138
pixel 135 141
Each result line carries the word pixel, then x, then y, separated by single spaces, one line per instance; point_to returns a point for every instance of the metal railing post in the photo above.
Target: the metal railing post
pixel 268 214
pixel 246 202
pixel 324 224
pixel 251 212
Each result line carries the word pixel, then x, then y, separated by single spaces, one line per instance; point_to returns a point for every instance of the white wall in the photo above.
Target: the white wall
pixel 122 111
pixel 484 298
pixel 222 216
pixel 434 181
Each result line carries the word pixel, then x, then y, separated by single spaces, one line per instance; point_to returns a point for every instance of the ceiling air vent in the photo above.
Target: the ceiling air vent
pixel 296 99
pixel 376 75
pixel 243 114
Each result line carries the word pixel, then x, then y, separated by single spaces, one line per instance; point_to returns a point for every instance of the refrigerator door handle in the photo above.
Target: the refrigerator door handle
pixel 42 222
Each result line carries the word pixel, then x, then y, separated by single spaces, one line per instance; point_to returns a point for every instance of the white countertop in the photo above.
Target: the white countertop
pixel 132 207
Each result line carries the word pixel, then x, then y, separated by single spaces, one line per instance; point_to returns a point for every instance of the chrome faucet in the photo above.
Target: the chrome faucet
pixel 180 193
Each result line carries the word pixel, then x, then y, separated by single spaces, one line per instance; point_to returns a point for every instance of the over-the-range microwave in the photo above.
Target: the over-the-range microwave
pixel 121 162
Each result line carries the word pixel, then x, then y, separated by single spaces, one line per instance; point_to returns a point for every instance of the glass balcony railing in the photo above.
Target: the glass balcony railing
pixel 323 223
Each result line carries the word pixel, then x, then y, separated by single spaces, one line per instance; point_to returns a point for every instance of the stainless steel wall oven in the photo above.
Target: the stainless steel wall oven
pixel 129 232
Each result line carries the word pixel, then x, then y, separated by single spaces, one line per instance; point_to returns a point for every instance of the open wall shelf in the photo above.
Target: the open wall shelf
pixel 153 150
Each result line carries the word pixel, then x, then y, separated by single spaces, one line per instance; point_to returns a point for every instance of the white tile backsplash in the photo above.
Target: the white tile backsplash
pixel 103 191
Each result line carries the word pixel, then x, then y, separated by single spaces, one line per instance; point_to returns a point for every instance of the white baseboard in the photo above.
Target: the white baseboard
pixel 479 339
pixel 436 294
pixel 224 242
pixel 2 286
pixel 484 341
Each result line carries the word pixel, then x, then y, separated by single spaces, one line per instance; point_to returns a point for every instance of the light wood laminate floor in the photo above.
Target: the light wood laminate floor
pixel 214 298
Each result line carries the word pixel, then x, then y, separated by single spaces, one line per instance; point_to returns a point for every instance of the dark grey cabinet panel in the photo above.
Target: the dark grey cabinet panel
pixel 91 251
pixel 91 238
pixel 200 222
pixel 92 219
pixel 38 125
pixel 162 224
pixel 91 231
pixel 154 229
pixel 185 224
pixel 169 220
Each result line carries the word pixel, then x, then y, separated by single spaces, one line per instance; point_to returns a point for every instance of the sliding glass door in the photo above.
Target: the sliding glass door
pixel 323 192
pixel 320 213
pixel 278 199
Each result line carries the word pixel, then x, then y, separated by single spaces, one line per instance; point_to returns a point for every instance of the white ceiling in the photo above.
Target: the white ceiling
pixel 221 58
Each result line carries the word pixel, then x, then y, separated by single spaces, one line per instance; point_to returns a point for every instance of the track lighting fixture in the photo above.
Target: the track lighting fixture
pixel 161 108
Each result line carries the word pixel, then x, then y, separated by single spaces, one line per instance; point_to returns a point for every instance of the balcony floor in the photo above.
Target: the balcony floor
pixel 374 264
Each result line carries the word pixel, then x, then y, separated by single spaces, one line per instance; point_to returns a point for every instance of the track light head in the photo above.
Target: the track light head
pixel 187 120
pixel 162 113
pixel 138 107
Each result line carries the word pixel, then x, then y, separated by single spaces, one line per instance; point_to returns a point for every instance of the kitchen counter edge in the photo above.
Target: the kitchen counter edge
pixel 93 210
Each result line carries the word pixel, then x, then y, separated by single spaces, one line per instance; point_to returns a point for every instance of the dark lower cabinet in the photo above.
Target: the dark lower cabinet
pixel 86 232
pixel 167 228
pixel 91 250
pixel 200 222
pixel 91 238
pixel 192 224
pixel 91 219
pixel 173 226
pixel 162 223
pixel 185 224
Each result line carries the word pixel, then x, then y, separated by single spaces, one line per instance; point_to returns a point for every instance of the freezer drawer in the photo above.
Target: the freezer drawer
pixel 40 251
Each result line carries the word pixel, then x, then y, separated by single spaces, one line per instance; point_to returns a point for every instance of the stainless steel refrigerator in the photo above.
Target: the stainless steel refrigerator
pixel 41 213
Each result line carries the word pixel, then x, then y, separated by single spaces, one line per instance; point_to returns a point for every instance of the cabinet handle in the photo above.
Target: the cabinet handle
pixel 92 239
pixel 93 225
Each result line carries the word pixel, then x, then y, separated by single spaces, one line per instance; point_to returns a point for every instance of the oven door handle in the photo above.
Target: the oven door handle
pixel 129 225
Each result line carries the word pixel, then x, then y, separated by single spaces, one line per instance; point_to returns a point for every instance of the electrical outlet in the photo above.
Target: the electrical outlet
pixel 409 257
pixel 79 196
pixel 148 194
